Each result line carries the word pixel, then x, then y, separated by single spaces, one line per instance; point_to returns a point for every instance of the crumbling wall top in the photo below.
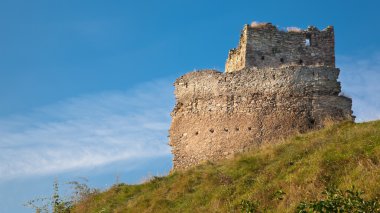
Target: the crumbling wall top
pixel 264 45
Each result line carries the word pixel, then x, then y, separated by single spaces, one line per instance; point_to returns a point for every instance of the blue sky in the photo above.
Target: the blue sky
pixel 86 86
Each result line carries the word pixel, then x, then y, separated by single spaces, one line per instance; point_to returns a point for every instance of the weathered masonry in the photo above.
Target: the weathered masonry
pixel 276 83
pixel 264 45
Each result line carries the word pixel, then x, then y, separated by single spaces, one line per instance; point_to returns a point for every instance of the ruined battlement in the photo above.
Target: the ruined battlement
pixel 276 84
pixel 264 45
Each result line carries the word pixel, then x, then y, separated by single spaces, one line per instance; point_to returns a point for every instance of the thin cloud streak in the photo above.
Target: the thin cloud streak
pixel 360 81
pixel 99 129
pixel 87 131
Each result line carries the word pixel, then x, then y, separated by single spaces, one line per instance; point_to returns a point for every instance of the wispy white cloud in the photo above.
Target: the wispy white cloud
pixel 360 79
pixel 87 131
pixel 115 126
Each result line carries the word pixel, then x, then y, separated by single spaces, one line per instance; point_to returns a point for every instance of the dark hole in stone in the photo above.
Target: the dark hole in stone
pixel 196 133
pixel 249 128
pixel 262 57
pixel 282 60
pixel 300 61
pixel 212 130
pixel 237 128
pixel 312 121
pixel 225 129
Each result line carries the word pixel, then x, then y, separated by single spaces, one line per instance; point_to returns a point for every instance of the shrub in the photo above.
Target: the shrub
pixel 247 206
pixel 56 203
pixel 340 201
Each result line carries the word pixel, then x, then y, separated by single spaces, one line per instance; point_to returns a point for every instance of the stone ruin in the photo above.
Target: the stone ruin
pixel 276 83
pixel 265 46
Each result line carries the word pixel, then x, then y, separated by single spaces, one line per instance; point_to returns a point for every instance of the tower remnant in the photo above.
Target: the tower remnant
pixel 275 83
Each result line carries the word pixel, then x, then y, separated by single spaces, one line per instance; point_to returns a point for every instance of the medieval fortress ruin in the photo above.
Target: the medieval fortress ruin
pixel 275 83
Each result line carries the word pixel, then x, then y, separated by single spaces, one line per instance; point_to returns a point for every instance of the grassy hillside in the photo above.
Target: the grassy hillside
pixel 275 178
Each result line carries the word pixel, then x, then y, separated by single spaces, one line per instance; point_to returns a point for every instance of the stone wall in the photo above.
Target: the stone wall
pixel 266 46
pixel 236 56
pixel 219 114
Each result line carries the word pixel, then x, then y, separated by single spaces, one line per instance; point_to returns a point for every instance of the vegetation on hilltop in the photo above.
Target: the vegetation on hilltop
pixel 289 176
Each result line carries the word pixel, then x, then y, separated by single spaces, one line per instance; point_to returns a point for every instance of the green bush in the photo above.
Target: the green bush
pixel 340 201
pixel 58 204
pixel 247 206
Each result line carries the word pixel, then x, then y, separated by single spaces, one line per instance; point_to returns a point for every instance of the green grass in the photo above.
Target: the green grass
pixel 276 178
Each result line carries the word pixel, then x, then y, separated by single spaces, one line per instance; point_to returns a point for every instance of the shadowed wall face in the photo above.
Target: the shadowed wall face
pixel 219 114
